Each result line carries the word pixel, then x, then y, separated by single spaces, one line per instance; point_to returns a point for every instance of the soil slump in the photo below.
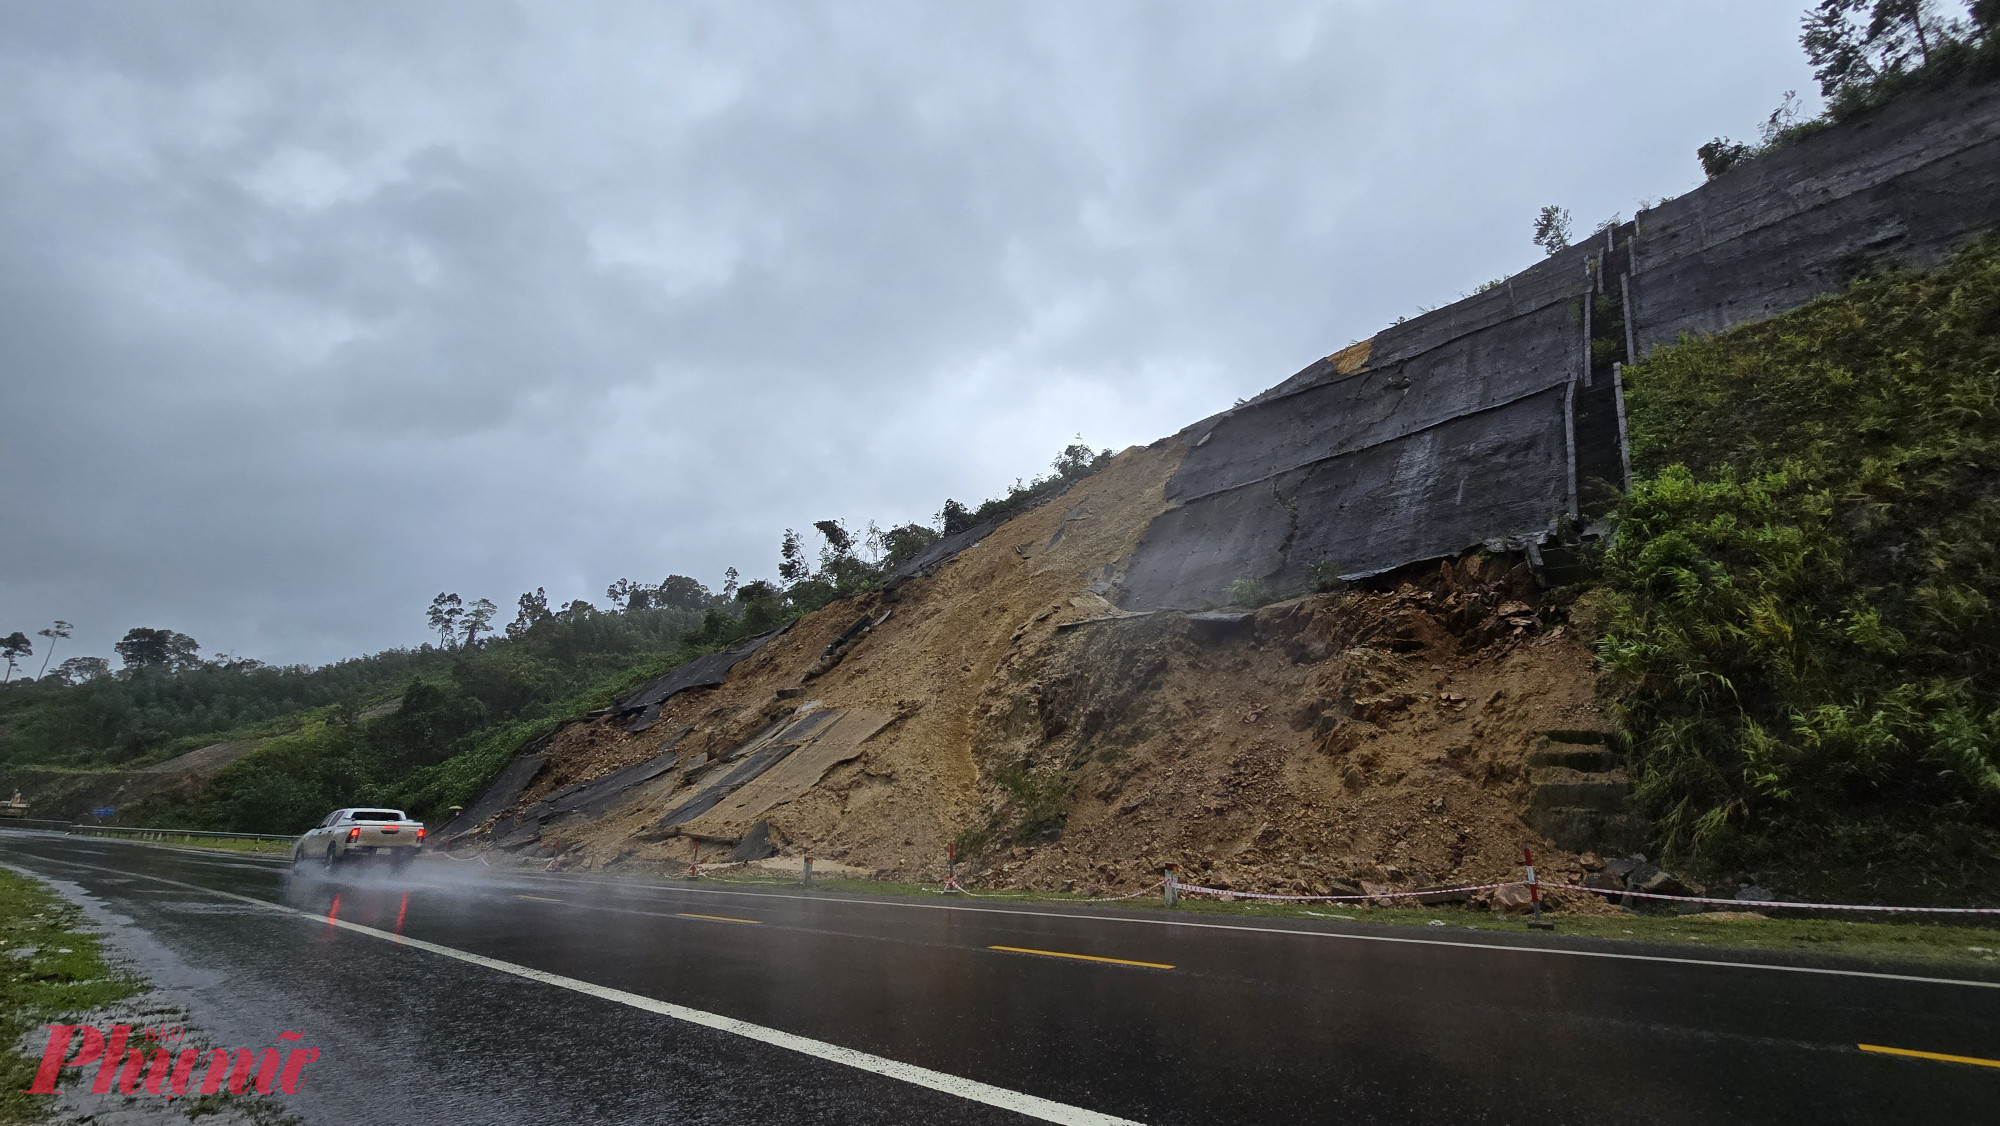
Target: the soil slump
pixel 1066 745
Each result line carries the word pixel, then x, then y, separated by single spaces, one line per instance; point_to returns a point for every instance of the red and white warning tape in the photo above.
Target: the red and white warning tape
pixel 1609 894
pixel 1147 890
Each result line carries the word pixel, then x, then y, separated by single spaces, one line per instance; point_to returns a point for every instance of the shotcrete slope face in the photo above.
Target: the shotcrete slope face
pixel 1356 735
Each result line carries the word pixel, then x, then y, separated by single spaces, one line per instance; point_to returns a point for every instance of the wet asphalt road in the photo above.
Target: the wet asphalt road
pixel 1287 1022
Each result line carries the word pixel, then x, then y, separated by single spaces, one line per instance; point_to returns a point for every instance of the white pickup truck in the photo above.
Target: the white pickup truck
pixel 353 834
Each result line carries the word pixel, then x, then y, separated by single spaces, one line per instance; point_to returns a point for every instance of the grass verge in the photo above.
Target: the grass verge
pixel 50 969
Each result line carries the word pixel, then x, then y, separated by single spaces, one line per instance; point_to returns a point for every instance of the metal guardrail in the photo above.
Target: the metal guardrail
pixel 156 834
pixel 31 823
pixel 135 833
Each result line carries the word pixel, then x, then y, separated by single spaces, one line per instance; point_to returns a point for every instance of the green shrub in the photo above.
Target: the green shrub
pixel 1041 801
pixel 1804 584
pixel 1249 593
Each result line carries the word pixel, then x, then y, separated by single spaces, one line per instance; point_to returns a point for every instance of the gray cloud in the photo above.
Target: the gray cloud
pixel 308 312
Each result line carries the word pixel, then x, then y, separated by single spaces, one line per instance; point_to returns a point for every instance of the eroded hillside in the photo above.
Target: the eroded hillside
pixel 1004 703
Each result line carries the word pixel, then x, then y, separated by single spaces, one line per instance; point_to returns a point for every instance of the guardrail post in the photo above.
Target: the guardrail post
pixel 951 886
pixel 806 873
pixel 1534 894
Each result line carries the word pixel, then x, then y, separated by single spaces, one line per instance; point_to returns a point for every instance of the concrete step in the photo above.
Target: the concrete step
pixel 1579 829
pixel 1573 757
pixel 1552 786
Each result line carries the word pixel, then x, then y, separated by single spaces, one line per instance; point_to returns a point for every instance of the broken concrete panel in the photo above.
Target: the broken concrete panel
pixel 505 791
pixel 756 845
pixel 937 554
pixel 752 759
pixel 600 794
pixel 705 671
pixel 822 750
pixel 1212 627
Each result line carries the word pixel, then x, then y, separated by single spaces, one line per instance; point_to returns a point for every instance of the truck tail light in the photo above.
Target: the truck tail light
pixel 354 834
pixel 420 832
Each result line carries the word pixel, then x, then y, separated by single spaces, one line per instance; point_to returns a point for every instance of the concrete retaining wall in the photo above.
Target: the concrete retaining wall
pixel 1474 423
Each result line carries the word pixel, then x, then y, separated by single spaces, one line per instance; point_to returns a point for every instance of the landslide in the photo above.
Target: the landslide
pixel 1062 744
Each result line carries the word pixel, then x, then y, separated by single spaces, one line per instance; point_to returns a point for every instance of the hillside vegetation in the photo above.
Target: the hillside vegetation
pixel 425 728
pixel 1805 584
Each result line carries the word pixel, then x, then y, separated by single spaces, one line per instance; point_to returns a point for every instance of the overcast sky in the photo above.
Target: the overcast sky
pixel 313 311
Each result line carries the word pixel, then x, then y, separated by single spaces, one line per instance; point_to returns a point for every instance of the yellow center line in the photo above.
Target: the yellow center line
pixel 1082 957
pixel 538 898
pixel 1974 1060
pixel 719 918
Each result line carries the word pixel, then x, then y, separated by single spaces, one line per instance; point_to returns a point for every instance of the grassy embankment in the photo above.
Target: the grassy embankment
pixel 50 970
pixel 1801 610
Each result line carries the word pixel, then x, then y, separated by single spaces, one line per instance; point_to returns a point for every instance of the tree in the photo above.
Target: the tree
pixel 1897 25
pixel 792 565
pixel 763 605
pixel 57 632
pixel 1832 44
pixel 679 592
pixel 1552 229
pixel 729 583
pixel 839 543
pixel 628 595
pixel 905 542
pixel 13 647
pixel 1720 155
pixel 1847 51
pixel 158 649
pixel 477 616
pixel 446 610
pixel 78 670
pixel 534 610
pixel 1078 459
pixel 953 517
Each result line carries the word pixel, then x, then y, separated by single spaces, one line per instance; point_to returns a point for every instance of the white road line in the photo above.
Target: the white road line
pixel 969 1089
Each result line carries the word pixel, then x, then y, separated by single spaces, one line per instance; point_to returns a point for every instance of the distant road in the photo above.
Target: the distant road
pixel 517 998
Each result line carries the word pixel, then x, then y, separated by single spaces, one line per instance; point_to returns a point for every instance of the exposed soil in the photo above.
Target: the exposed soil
pixel 1375 735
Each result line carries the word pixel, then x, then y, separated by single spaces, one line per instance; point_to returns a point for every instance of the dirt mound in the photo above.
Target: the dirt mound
pixel 1003 703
